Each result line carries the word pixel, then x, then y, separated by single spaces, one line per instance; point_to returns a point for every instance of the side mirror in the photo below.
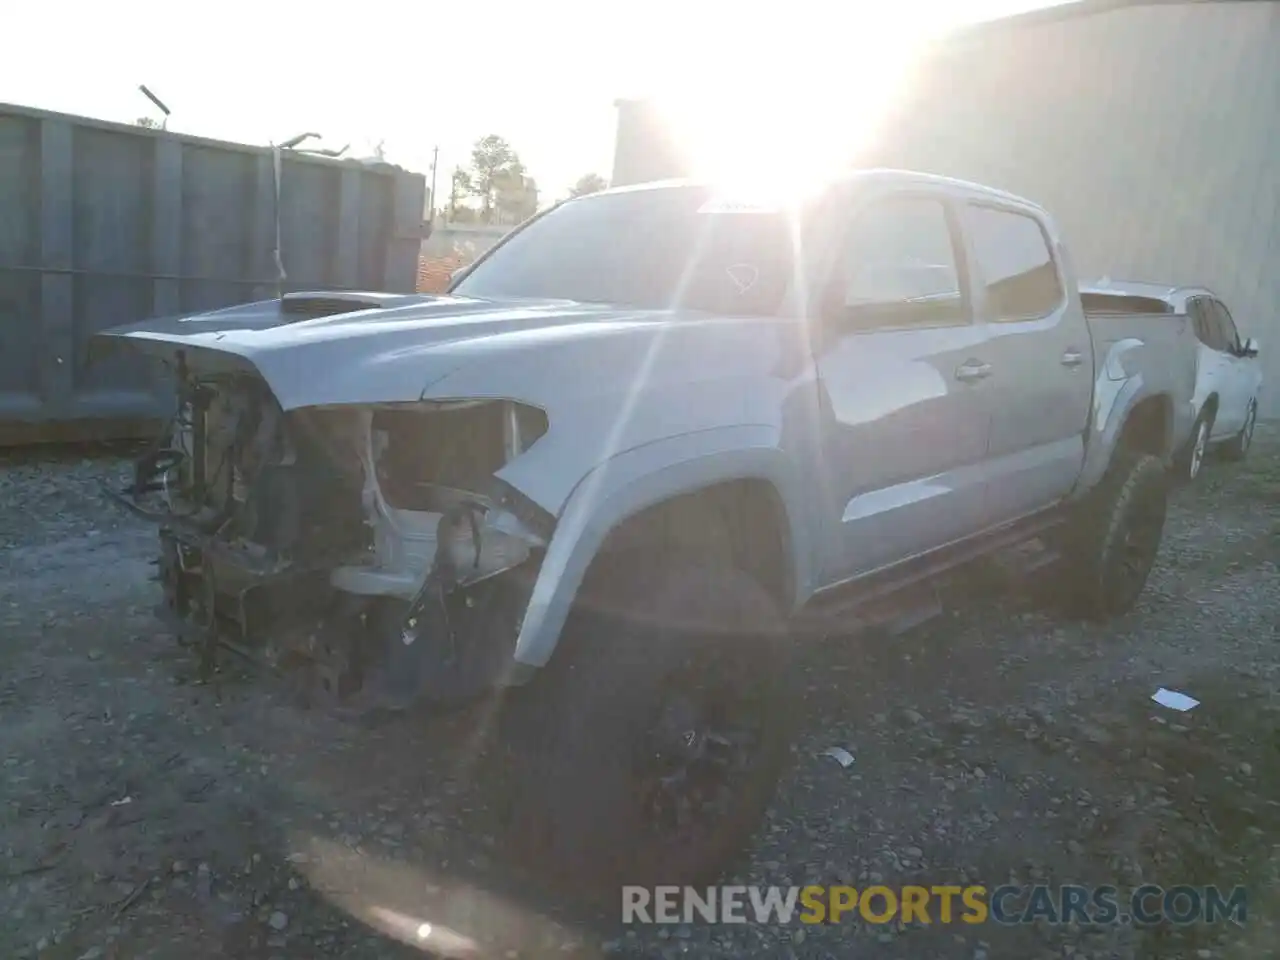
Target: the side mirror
pixel 1249 348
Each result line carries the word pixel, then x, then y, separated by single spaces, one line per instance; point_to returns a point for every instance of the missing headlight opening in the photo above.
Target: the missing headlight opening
pixel 368 552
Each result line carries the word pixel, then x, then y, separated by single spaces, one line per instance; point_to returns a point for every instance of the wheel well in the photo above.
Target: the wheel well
pixel 741 523
pixel 1147 429
pixel 1211 406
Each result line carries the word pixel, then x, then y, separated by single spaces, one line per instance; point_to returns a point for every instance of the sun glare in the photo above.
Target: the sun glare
pixel 799 119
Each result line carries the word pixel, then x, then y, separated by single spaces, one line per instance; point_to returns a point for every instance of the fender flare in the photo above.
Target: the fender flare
pixel 1114 402
pixel 639 478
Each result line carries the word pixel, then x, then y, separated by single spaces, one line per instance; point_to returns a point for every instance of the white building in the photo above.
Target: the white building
pixel 1150 130
pixel 644 148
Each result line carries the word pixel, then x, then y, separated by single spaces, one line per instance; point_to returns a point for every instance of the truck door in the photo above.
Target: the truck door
pixel 1041 360
pixel 903 379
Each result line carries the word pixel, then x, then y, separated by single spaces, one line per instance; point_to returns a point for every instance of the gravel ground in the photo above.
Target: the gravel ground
pixel 143 814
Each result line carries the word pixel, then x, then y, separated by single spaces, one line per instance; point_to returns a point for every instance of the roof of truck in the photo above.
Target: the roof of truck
pixel 869 174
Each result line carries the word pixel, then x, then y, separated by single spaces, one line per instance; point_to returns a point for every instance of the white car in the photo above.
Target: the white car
pixel 1228 374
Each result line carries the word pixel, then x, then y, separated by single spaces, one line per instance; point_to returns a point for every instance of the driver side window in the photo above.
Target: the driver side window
pixel 898 268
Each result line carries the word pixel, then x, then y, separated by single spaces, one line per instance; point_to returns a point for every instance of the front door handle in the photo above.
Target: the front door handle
pixel 973 370
pixel 1072 358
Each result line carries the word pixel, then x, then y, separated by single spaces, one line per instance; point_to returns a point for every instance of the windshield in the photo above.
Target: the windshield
pixel 654 249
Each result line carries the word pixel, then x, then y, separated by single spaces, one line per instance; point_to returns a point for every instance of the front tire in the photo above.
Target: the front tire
pixel 1113 544
pixel 650 747
pixel 1237 448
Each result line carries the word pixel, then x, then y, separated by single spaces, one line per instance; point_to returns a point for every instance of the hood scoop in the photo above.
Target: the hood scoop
pixel 331 303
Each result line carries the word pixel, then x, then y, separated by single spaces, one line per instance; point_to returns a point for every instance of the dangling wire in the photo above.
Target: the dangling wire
pixel 277 253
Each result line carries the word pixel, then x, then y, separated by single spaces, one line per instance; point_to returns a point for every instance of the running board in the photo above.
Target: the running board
pixel 902 596
pixel 895 614
pixel 916 607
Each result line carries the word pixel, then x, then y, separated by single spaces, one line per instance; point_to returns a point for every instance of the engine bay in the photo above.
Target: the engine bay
pixel 367 552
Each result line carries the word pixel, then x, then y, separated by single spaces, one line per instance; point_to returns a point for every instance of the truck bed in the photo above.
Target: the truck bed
pixel 1131 341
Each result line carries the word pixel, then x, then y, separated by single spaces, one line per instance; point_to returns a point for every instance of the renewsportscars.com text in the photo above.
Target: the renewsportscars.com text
pixel 1146 905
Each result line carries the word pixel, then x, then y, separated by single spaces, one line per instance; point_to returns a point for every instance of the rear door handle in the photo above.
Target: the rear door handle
pixel 973 370
pixel 1072 358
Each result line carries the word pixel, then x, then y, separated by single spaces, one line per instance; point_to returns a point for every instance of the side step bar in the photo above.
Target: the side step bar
pixel 903 596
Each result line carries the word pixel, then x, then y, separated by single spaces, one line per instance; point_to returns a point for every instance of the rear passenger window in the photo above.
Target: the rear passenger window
pixel 1200 319
pixel 1230 337
pixel 1207 326
pixel 1015 264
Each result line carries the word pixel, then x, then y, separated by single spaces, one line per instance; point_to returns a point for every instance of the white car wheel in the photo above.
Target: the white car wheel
pixel 1199 445
pixel 1238 446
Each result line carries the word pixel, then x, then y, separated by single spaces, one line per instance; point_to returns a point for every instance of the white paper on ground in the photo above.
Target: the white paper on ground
pixel 839 754
pixel 1174 700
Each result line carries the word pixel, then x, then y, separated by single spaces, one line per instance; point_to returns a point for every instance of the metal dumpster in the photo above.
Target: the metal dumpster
pixel 105 223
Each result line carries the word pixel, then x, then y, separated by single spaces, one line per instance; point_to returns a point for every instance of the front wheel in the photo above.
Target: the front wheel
pixel 1112 546
pixel 1237 448
pixel 650 747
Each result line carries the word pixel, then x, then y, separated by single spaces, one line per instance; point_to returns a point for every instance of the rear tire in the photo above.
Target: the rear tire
pixel 1190 461
pixel 1237 448
pixel 1113 545
pixel 649 748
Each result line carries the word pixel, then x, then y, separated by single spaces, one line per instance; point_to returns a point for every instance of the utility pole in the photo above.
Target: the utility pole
pixel 435 156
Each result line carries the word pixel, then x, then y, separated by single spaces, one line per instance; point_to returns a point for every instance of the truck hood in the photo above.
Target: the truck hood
pixel 319 349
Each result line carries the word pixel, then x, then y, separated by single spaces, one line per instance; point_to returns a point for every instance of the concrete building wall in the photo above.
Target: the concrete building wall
pixel 1151 133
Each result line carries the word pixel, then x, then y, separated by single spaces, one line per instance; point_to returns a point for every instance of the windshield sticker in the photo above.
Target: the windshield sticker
pixel 743 275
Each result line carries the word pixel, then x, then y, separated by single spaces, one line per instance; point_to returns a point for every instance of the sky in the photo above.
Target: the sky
pixel 542 75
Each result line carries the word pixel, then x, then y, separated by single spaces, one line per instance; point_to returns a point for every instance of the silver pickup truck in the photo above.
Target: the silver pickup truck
pixel 639 449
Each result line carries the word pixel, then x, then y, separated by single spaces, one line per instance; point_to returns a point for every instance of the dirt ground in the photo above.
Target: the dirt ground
pixel 143 814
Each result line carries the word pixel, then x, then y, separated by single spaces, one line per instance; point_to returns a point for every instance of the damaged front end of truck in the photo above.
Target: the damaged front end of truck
pixel 365 550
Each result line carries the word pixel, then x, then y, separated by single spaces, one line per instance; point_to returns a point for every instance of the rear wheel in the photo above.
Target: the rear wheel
pixel 651 745
pixel 1190 461
pixel 1237 448
pixel 1112 548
